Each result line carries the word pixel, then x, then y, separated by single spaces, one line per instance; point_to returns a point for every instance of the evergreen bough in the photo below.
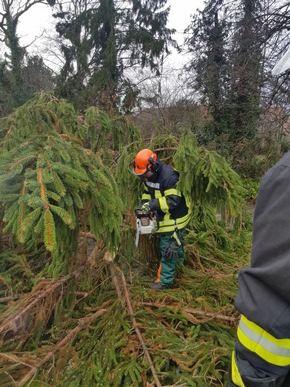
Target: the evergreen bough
pixel 48 180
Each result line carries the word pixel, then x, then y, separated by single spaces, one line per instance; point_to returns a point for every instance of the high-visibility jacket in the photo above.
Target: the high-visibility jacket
pixel 170 205
pixel 263 297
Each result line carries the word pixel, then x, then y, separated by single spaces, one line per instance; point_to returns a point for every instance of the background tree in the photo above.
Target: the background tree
pixel 277 36
pixel 246 74
pixel 230 67
pixel 208 67
pixel 167 105
pixel 12 67
pixel 101 40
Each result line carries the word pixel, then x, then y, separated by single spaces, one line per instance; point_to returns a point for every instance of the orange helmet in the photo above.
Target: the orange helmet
pixel 143 161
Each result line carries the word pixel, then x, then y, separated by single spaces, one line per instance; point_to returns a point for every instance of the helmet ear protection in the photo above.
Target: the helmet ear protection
pixel 154 165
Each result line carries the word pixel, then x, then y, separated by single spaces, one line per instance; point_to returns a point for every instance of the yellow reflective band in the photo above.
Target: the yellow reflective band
pixel 165 229
pixel 167 218
pixel 169 225
pixel 163 204
pixel 157 194
pixel 256 339
pixel 172 191
pixel 145 196
pixel 236 376
pixel 177 221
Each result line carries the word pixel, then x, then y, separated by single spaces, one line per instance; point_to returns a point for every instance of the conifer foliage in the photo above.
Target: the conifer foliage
pixel 64 177
pixel 206 177
pixel 48 179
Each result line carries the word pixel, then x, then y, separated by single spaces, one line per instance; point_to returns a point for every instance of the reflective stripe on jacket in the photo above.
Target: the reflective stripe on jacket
pixel 235 374
pixel 266 346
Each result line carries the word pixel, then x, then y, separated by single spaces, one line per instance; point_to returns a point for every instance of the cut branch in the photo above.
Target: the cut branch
pixel 8 299
pixel 84 322
pixel 210 315
pixel 115 269
pixel 12 321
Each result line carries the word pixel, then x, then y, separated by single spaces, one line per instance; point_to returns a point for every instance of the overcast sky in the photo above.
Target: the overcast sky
pixel 180 14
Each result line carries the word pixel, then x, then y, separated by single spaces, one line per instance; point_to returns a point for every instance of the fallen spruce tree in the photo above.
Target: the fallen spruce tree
pixel 75 310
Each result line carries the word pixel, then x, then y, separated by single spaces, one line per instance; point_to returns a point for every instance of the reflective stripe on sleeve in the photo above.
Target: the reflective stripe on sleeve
pixel 256 339
pixel 172 191
pixel 163 204
pixel 236 376
pixel 145 196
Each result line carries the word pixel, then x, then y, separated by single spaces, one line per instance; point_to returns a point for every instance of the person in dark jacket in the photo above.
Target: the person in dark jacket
pixel 261 357
pixel 162 197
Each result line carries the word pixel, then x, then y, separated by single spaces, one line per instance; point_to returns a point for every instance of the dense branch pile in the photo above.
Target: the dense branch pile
pixel 75 310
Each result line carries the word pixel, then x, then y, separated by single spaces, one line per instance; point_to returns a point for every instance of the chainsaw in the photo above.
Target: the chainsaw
pixel 146 223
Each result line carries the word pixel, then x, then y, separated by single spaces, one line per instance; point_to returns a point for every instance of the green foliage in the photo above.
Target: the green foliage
pixel 251 189
pixel 206 178
pixel 43 115
pixel 252 158
pixel 47 179
pixel 16 274
pixel 106 132
pixel 130 186
pixel 164 146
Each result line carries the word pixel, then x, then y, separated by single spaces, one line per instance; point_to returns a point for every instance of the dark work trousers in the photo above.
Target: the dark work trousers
pixel 166 269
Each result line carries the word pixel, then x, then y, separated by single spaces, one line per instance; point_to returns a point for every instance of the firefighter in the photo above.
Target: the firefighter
pixel 161 196
pixel 261 357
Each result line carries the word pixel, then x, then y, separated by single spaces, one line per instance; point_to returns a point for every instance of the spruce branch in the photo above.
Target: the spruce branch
pixel 130 310
pixel 189 311
pixel 67 339
pixel 12 321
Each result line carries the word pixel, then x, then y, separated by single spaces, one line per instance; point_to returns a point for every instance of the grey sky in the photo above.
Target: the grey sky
pixel 180 15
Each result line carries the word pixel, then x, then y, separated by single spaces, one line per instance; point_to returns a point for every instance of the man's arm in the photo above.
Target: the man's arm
pixel 170 199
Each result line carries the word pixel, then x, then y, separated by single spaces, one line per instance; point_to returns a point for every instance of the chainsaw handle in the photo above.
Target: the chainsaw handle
pixel 139 213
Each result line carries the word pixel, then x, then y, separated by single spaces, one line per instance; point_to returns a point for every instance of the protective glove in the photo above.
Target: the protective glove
pixel 171 251
pixel 145 207
pixel 181 240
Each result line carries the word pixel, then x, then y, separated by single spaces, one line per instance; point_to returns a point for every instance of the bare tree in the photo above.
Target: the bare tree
pixel 10 13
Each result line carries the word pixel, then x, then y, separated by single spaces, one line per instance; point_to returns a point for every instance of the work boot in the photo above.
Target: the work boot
pixel 159 286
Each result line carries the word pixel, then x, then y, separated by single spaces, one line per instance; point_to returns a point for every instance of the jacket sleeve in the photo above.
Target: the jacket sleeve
pixel 270 258
pixel 145 195
pixel 264 287
pixel 171 196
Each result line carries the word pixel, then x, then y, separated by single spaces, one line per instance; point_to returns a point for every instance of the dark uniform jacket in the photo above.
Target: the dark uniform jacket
pixel 170 205
pixel 264 288
pixel 263 297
